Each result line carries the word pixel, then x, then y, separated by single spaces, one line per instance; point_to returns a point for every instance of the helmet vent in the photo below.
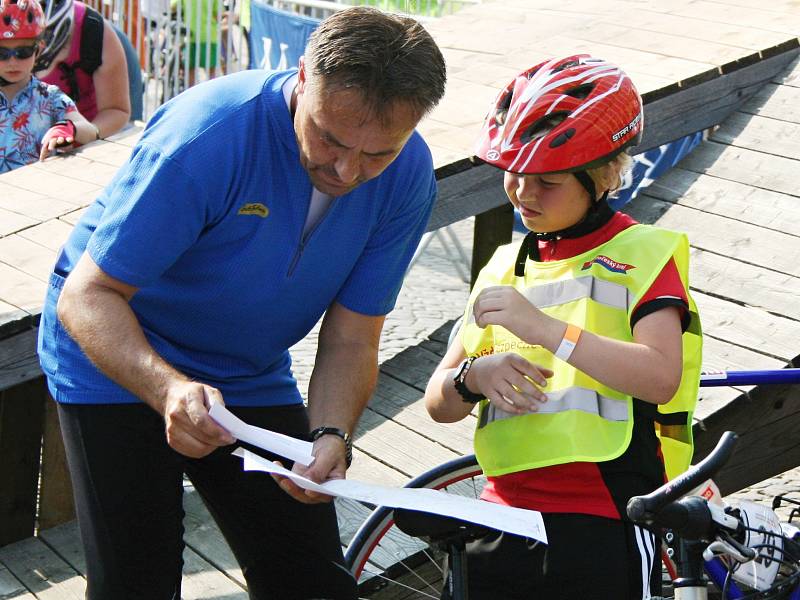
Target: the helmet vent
pixel 581 92
pixel 562 138
pixel 502 109
pixel 566 65
pixel 543 126
pixel 7 19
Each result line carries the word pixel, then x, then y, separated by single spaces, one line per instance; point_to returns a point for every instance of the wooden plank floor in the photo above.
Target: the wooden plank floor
pixel 736 196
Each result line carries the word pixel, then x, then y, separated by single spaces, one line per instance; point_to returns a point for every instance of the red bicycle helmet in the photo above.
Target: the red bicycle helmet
pixel 21 19
pixel 563 115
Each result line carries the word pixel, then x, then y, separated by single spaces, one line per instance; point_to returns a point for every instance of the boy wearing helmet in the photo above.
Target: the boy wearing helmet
pixel 35 118
pixel 581 345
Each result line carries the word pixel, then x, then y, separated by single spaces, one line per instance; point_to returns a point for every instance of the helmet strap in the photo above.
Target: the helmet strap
pixel 588 184
pixel 598 215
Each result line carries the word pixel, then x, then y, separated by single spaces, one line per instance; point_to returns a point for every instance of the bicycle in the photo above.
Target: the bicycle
pixel 382 555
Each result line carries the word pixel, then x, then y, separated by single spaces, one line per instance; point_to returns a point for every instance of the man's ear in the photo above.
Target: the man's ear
pixel 301 74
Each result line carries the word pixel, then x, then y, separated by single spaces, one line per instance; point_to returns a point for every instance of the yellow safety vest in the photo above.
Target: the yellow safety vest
pixel 583 419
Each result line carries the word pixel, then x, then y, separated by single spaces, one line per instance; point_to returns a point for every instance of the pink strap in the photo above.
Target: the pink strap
pixel 65 129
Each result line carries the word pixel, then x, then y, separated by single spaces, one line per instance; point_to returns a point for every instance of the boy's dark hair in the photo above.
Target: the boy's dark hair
pixel 389 58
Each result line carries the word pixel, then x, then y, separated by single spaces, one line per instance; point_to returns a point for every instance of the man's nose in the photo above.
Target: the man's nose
pixel 347 166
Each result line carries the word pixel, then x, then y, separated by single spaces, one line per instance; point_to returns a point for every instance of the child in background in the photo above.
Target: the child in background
pixel 35 118
pixel 581 344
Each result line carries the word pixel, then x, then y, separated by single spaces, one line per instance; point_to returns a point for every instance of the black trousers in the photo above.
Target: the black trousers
pixel 586 557
pixel 128 486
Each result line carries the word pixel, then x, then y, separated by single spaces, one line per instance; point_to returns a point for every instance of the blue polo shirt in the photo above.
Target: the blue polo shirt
pixel 206 219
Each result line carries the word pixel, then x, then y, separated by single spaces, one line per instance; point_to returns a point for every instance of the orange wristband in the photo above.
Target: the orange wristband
pixel 568 343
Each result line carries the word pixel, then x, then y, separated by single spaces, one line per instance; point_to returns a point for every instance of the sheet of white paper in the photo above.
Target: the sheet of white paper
pixel 523 522
pixel 283 445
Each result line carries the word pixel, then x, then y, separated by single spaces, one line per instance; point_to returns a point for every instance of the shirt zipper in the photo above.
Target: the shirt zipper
pixel 304 239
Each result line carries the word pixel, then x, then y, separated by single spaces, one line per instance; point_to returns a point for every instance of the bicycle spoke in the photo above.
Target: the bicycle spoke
pixel 394 582
pixel 434 562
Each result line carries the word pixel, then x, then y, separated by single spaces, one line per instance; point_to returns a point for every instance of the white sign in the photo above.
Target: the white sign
pixel 765 537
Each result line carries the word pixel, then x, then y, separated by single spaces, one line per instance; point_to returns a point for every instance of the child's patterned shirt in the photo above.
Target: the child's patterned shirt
pixel 23 122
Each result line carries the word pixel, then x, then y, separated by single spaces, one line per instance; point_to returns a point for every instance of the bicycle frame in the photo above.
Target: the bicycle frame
pixel 718 572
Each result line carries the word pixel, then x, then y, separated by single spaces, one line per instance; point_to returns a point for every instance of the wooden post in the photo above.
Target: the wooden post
pixel 56 503
pixel 493 228
pixel 21 414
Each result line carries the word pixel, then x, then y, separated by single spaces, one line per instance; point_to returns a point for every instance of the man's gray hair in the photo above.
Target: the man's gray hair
pixel 389 58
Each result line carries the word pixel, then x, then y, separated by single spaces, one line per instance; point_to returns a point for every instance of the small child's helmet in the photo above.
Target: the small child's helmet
pixel 59 15
pixel 21 19
pixel 563 115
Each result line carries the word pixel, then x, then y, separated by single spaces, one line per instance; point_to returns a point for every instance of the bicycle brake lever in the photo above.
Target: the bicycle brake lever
pixel 719 547
pixel 722 518
pixel 726 544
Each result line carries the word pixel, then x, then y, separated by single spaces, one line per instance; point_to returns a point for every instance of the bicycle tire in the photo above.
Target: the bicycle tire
pixel 379 526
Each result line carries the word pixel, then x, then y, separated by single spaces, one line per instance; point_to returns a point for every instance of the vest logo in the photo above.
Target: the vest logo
pixel 254 208
pixel 608 263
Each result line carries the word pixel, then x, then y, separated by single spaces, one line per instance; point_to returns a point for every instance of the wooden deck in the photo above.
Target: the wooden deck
pixel 736 196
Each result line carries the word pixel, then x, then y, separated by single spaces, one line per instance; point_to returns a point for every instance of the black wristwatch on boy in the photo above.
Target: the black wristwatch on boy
pixel 460 382
pixel 348 441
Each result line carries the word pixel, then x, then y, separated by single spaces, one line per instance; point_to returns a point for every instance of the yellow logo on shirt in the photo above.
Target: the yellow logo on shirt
pixel 254 208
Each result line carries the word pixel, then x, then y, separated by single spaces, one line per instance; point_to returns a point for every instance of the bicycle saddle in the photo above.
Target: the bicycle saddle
pixel 436 527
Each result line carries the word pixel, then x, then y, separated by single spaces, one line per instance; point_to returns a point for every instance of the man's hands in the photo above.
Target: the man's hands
pixel 190 430
pixel 509 381
pixel 329 463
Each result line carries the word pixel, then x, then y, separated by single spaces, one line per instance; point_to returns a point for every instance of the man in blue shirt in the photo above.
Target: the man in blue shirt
pixel 251 206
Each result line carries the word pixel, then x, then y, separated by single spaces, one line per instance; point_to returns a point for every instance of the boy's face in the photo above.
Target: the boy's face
pixel 548 202
pixel 14 69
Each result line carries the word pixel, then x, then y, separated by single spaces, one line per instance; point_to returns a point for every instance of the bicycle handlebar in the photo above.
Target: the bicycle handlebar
pixel 756 377
pixel 643 509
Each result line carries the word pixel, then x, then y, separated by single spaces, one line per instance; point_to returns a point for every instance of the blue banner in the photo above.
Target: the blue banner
pixel 277 38
pixel 650 165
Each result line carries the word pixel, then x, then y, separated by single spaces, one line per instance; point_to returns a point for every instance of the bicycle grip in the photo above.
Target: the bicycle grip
pixel 642 509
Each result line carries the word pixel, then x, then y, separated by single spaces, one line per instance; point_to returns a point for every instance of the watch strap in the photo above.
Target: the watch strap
pixel 348 441
pixel 459 381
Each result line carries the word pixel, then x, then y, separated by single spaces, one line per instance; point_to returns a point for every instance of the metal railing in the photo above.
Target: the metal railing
pixel 181 42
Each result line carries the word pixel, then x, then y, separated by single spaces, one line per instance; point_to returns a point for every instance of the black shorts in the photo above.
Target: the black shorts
pixel 586 557
pixel 128 486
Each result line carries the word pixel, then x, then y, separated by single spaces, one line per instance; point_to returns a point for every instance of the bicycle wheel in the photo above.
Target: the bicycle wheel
pixel 387 562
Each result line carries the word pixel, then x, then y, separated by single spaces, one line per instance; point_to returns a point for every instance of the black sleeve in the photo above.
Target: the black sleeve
pixel 655 305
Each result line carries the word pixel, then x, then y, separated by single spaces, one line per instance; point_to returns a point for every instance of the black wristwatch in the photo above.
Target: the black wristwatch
pixel 348 441
pixel 461 386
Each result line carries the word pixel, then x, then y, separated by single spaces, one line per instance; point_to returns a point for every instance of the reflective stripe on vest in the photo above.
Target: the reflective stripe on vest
pixel 576 398
pixel 583 420
pixel 587 287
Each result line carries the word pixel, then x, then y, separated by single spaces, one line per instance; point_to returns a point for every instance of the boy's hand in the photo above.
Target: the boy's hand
pixel 509 381
pixel 60 135
pixel 505 306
